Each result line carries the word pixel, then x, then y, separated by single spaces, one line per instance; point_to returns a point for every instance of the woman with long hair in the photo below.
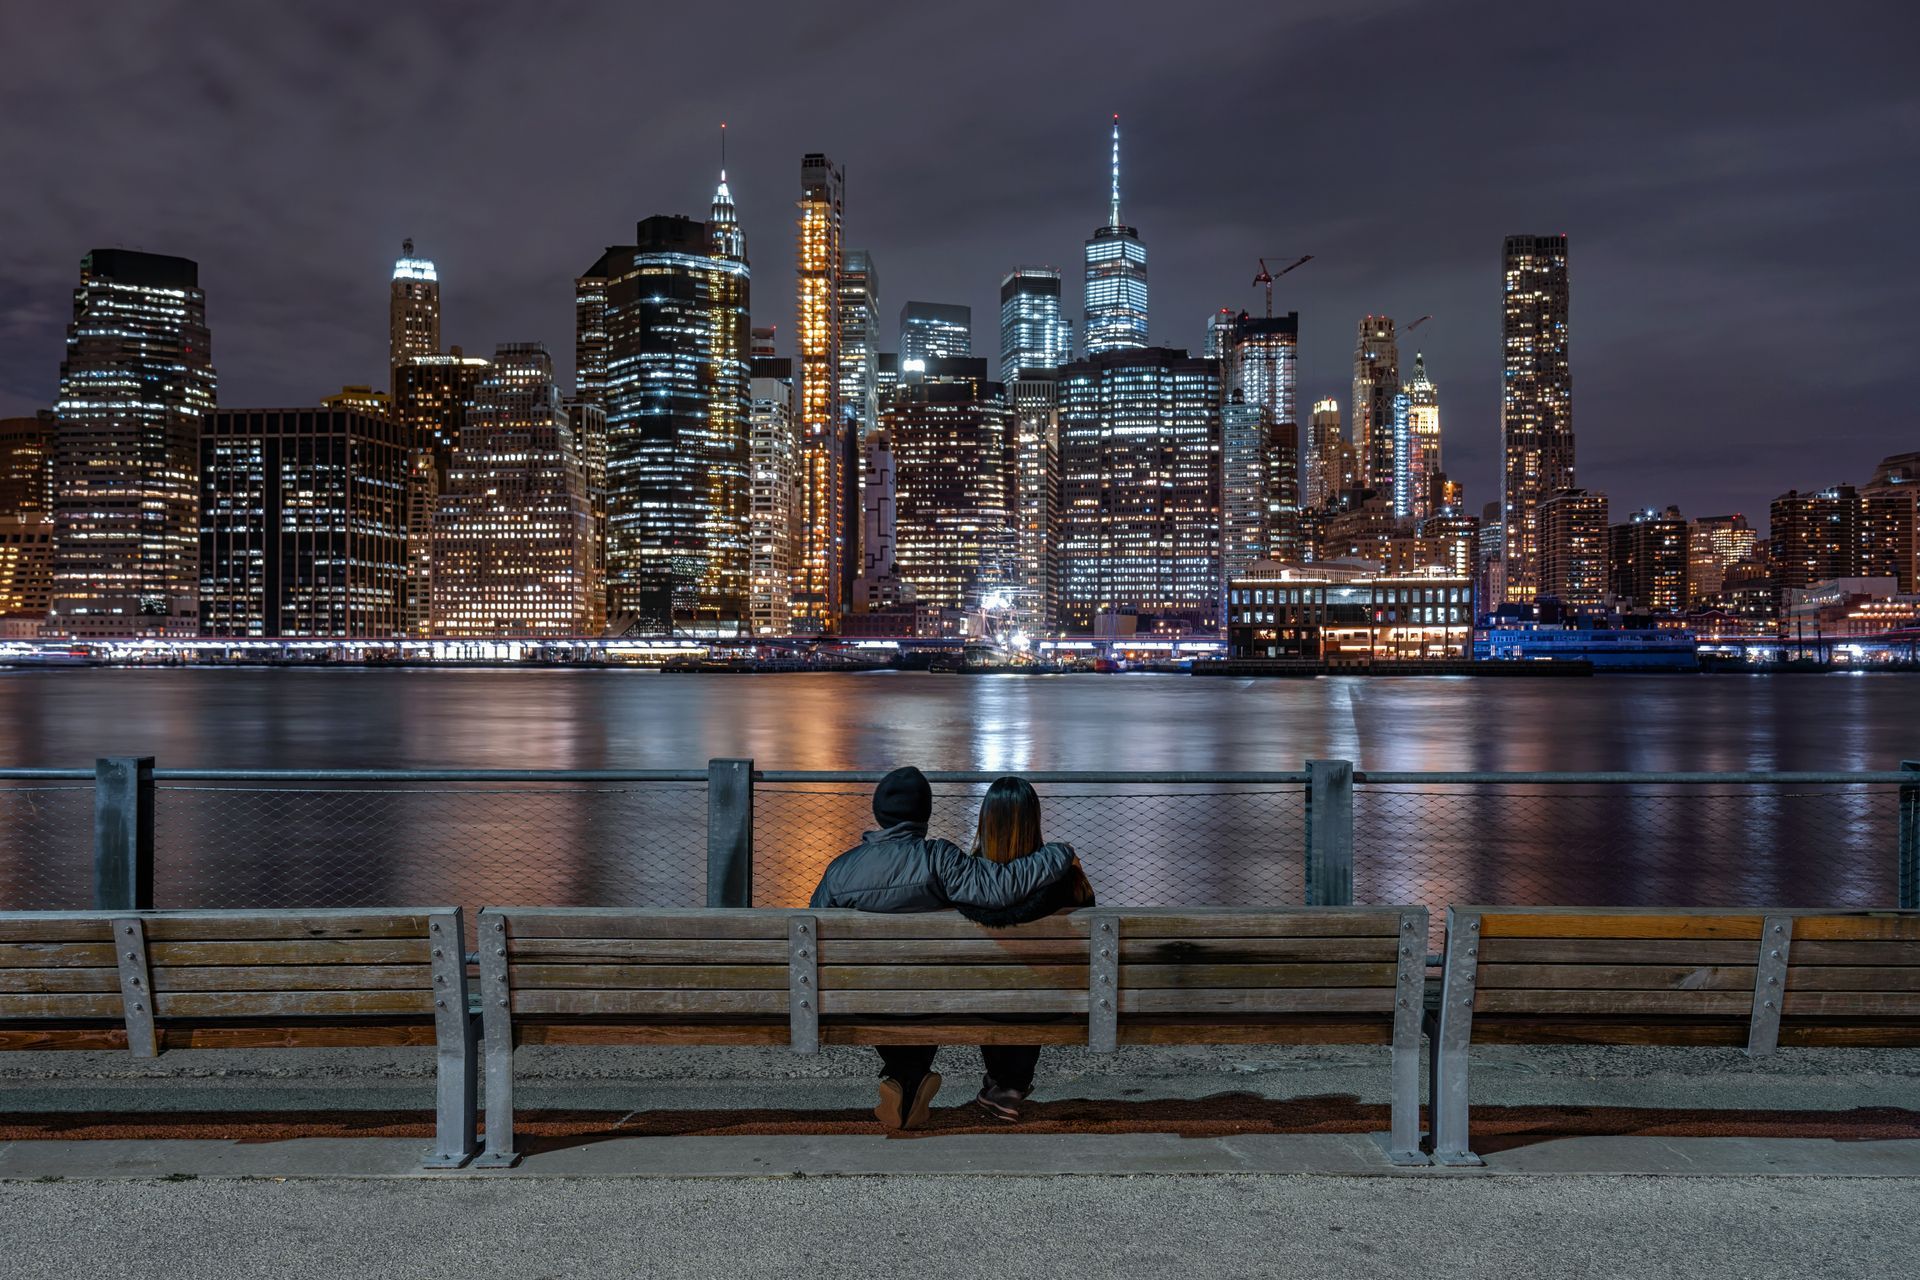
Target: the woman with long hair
pixel 1010 830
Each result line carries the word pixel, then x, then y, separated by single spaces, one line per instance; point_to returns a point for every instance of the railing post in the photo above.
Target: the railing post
pixel 123 833
pixel 1329 833
pixel 729 833
pixel 1910 838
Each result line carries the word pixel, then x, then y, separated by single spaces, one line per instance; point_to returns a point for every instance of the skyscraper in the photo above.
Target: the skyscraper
pixel 677 446
pixel 829 465
pixel 430 398
pixel 1416 445
pixel 1032 333
pixel 1815 538
pixel 303 524
pixel 413 308
pixel 935 331
pixel 1574 550
pixel 1376 380
pixel 1327 457
pixel 859 341
pixel 1036 408
pixel 1890 521
pixel 878 586
pixel 136 388
pixel 26 465
pixel 1243 486
pixel 952 433
pixel 774 524
pixel 1140 489
pixel 1262 362
pixel 1116 280
pixel 513 553
pixel 1536 401
pixel 26 522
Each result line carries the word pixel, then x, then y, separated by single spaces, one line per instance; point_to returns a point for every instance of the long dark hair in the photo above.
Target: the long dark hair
pixel 1009 821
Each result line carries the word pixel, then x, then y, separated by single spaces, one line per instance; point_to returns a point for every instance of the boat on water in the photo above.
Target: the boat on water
pixel 1607 648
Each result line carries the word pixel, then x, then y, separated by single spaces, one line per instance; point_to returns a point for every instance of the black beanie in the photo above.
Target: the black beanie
pixel 903 796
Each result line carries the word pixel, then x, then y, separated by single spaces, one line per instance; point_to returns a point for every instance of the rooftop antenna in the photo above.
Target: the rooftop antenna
pixel 723 151
pixel 1113 206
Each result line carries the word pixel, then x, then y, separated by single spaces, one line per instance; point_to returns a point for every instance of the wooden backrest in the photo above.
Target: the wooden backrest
pixel 143 965
pixel 1092 967
pixel 1758 967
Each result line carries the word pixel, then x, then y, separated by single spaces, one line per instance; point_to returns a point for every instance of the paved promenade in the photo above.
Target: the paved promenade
pixel 1225 1161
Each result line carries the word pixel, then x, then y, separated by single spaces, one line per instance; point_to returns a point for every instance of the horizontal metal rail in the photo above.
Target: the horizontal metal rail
pixel 1881 778
pixel 46 775
pixel 428 775
pixel 1056 777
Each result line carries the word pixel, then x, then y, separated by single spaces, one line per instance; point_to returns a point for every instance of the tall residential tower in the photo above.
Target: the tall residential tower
pixel 1536 402
pixel 826 558
pixel 413 308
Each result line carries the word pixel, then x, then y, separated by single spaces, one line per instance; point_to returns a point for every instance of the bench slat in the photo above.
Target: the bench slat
pixel 302 952
pixel 1675 926
pixel 48 981
pixel 1257 1000
pixel 1831 977
pixel 1638 977
pixel 1857 928
pixel 58 929
pixel 202 928
pixel 1615 951
pixel 323 977
pixel 620 1003
pixel 57 955
pixel 62 1005
pixel 953 977
pixel 1621 1003
pixel 288 1004
pixel 628 977
pixel 1860 1004
pixel 710 924
pixel 1854 953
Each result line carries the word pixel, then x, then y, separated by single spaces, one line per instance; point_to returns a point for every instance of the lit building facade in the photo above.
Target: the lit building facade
pixel 1890 521
pixel 1417 470
pixel 935 331
pixel 422 499
pixel 26 523
pixel 774 521
pixel 1536 401
pixel 513 529
pixel 1349 615
pixel 1115 302
pixel 430 398
pixel 1327 456
pixel 829 462
pixel 879 585
pixel 26 465
pixel 860 341
pixel 1575 551
pixel 953 444
pixel 1036 503
pixel 303 524
pixel 677 452
pixel 1243 485
pixel 1715 544
pixel 1376 380
pixel 1815 537
pixel 1033 335
pixel 136 389
pixel 1649 561
pixel 1140 489
pixel 1262 366
pixel 413 308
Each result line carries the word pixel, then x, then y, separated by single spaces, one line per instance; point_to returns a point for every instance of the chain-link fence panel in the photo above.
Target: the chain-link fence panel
pixel 46 846
pixel 1636 845
pixel 468 844
pixel 1143 845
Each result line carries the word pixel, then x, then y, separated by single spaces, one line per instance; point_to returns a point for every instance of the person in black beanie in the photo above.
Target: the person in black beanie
pixel 898 868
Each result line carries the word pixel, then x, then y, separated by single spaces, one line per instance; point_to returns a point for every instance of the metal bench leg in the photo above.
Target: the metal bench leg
pixel 1403 1139
pixel 453 1037
pixel 1456 1032
pixel 497 1023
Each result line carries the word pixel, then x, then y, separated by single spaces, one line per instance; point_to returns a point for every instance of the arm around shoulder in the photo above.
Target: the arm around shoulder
pixel 980 882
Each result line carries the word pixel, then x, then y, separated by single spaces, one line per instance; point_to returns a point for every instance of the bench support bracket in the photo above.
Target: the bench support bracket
pixel 1769 986
pixel 496 1017
pixel 1103 983
pixel 136 984
pixel 1450 1139
pixel 1409 999
pixel 803 984
pixel 455 1077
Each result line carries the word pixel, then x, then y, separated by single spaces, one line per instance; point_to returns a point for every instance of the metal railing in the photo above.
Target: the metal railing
pixel 126 834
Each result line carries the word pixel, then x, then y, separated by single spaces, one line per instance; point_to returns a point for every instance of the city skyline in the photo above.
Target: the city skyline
pixel 1691 211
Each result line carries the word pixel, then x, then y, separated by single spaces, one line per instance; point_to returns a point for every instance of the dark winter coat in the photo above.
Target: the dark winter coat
pixel 901 869
pixel 1069 893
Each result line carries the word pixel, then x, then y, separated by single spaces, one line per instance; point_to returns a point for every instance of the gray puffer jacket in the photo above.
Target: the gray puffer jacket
pixel 900 869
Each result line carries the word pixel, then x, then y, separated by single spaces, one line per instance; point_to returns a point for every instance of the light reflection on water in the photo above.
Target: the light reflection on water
pixel 645 846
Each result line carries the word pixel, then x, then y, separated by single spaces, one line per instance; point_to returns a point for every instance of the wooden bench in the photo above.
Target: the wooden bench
pixel 148 981
pixel 1330 975
pixel 1666 976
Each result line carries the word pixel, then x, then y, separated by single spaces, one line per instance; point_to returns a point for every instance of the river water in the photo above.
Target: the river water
pixel 645 844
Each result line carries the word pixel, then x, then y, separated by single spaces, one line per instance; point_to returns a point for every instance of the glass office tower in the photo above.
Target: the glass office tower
pixel 1116 277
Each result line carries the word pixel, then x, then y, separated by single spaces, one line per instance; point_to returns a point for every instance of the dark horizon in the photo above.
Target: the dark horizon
pixel 1713 165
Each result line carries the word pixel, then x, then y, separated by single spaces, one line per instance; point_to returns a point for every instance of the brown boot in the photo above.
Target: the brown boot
pixel 897 1111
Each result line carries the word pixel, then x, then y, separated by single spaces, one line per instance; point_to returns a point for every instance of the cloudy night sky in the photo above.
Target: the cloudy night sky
pixel 1739 182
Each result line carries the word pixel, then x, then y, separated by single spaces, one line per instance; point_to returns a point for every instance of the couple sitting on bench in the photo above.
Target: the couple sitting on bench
pixel 1010 878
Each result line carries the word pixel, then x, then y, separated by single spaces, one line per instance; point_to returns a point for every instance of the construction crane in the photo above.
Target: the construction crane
pixel 1267 277
pixel 1417 323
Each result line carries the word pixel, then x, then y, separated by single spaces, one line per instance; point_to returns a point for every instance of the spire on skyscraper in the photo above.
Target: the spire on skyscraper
pixel 1113 207
pixel 723 221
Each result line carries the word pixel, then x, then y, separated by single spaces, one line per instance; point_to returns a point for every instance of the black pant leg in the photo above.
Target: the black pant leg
pixel 1011 1065
pixel 907 1063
